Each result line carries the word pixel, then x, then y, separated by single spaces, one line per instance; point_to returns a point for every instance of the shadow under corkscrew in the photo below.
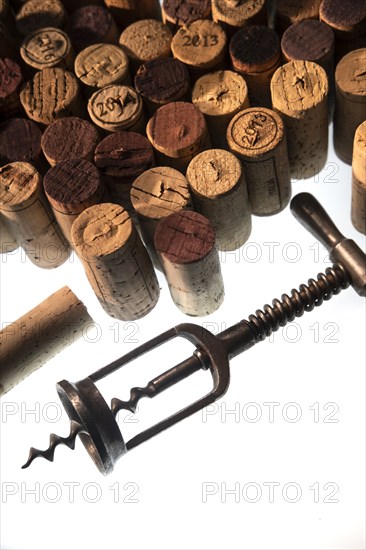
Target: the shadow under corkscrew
pixel 95 422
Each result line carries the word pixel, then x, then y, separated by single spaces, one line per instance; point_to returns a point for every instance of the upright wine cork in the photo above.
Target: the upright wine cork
pixel 91 25
pixel 257 136
pixel 34 15
pixel 146 40
pixel 179 13
pixel 36 337
pixel 11 80
pixel 47 47
pixel 358 213
pixel 347 18
pixel 350 107
pixel 219 96
pixel 71 187
pixel 310 40
pixel 116 262
pixel 115 108
pixel 255 53
pixel 219 192
pixel 129 11
pixel 289 12
pixel 102 65
pixel 20 140
pixel 178 132
pixel 185 242
pixel 122 157
pixel 8 242
pixel 201 45
pixel 299 93
pixel 162 81
pixel 31 221
pixel 69 138
pixel 234 14
pixel 51 94
pixel 156 194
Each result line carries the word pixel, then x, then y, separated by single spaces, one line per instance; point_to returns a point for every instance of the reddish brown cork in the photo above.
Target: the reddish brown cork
pixel 20 140
pixel 178 13
pixel 91 25
pixel 11 79
pixel 347 18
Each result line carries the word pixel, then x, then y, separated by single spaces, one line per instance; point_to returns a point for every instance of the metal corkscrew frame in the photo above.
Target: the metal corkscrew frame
pixel 95 422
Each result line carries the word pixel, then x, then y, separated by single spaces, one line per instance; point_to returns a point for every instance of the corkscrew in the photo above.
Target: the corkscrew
pixel 95 422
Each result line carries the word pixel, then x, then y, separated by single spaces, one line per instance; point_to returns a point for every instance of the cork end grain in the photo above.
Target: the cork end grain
pixel 146 39
pixel 343 15
pixel 101 65
pixel 200 44
pixel 20 140
pixel 254 49
pixel 350 74
pixel 220 93
pixel 114 107
pixel 359 154
pixel 10 78
pixel 308 40
pixel 89 25
pixel 236 12
pixel 19 181
pixel 214 173
pixel 184 12
pixel 160 80
pixel 46 47
pixel 35 15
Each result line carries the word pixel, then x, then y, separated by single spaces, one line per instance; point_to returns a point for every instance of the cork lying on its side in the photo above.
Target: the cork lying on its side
pixel 358 214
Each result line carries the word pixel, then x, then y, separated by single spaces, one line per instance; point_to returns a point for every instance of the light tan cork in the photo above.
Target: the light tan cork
pixel 358 214
pixel 219 192
pixel 49 47
pixel 257 136
pixel 28 343
pixel 116 262
pixel 233 14
pixel 29 215
pixel 299 92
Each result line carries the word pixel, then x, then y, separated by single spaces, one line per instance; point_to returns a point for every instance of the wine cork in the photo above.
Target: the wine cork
pixel 201 45
pixel 289 12
pixel 69 138
pixel 20 140
pixel 8 242
pixel 234 14
pixel 116 262
pixel 91 25
pixel 122 157
pixel 162 81
pixel 51 94
pixel 219 192
pixel 350 107
pixel 358 211
pixel 145 40
pixel 46 48
pixel 129 11
pixel 11 80
pixel 73 5
pixel 347 18
pixel 115 108
pixel 71 187
pixel 156 194
pixel 34 15
pixel 299 93
pixel 255 54
pixel 219 96
pixel 257 136
pixel 179 13
pixel 185 242
pixel 30 218
pixel 178 132
pixel 36 337
pixel 102 65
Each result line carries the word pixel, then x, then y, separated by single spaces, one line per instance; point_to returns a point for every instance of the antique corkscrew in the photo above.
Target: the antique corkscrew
pixel 95 422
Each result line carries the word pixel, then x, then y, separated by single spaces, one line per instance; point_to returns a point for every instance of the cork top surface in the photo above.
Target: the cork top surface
pixel 199 44
pixel 293 10
pixel 309 39
pixel 35 15
pixel 146 39
pixel 20 140
pixel 350 73
pixel 220 93
pixel 160 191
pixel 255 131
pixel 162 79
pixel 254 48
pixel 101 230
pixel 49 94
pixel 72 181
pixel 69 138
pixel 360 135
pixel 236 12
pixel 343 14
pixel 176 128
pixel 89 25
pixel 19 181
pixel 124 155
pixel 298 86
pixel 114 106
pixel 214 173
pixel 45 47
pixel 10 77
pixel 184 237
pixel 100 65
pixel 183 12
